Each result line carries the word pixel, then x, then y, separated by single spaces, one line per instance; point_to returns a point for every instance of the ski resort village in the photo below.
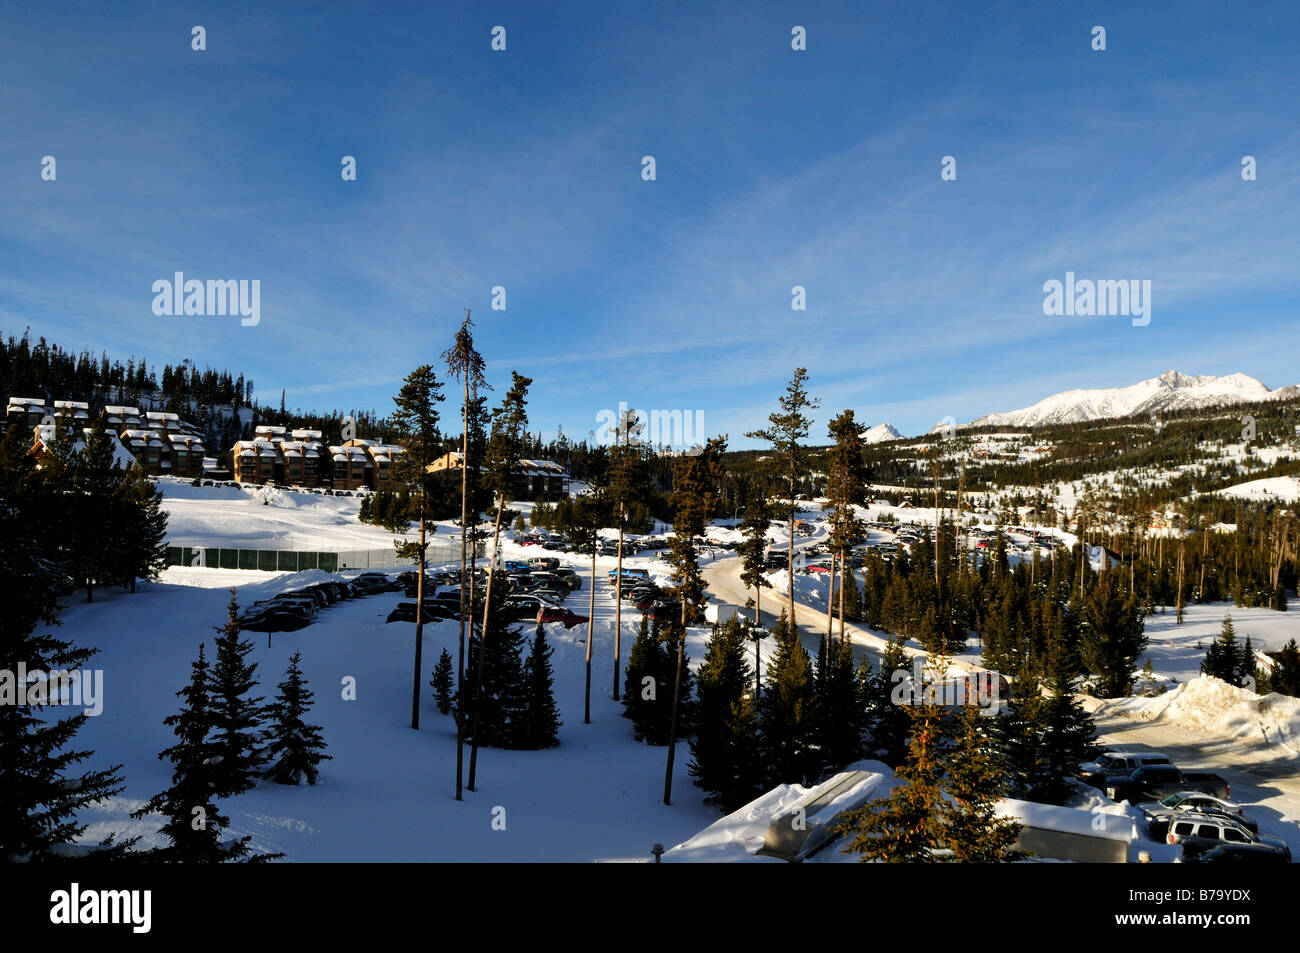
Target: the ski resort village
pixel 652 435
pixel 1066 633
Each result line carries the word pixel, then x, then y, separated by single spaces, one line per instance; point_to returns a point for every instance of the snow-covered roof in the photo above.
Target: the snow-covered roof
pixel 27 402
pixel 306 435
pixel 122 457
pixel 122 411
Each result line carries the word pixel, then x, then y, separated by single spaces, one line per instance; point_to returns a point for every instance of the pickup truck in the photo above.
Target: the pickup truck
pixel 1155 781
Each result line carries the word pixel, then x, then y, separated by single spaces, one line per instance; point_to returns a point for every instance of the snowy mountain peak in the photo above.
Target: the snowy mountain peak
pixel 880 433
pixel 1170 391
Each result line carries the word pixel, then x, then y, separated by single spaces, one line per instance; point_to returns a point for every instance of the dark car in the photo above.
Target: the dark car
pixel 433 612
pixel 271 619
pixel 525 606
pixel 1243 854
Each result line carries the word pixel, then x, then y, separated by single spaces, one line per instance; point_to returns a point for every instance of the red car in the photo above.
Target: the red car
pixel 557 614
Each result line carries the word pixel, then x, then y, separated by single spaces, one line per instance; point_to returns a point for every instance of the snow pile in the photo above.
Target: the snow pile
pixel 272 496
pixel 1208 705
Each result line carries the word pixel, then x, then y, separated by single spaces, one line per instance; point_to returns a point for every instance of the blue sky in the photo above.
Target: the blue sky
pixel 775 168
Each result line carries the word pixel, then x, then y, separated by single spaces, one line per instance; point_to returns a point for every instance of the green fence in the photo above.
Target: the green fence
pixel 272 560
pixel 293 560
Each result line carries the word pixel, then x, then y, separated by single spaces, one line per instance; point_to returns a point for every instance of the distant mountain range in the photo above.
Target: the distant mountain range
pixel 1169 392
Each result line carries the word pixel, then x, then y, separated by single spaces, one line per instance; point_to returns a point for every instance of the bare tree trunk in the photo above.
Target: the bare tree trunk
pixel 830 605
pixel 482 641
pixel 618 599
pixel 419 628
pixel 842 564
pixel 591 622
pixel 1180 579
pixel 464 539
pixel 672 725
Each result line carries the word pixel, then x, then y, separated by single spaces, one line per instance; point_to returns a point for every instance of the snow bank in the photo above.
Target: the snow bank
pixel 1211 706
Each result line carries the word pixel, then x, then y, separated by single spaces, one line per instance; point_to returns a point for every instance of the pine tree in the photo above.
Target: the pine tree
pixel 294 748
pixel 789 427
pixel 643 689
pixel 838 715
pixel 236 717
pixel 1113 636
pixel 906 826
pixel 888 720
pixel 141 526
pixel 972 832
pixel 1068 731
pixel 96 489
pixel 1018 738
pixel 500 691
pixel 722 750
pixel 541 718
pixel 443 682
pixel 786 713
pixel 193 824
pixel 38 800
pixel 1223 658
pixel 1285 677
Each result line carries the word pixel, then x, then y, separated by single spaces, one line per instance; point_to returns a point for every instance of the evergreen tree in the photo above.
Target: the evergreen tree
pixel 838 714
pixel 96 489
pixel 722 750
pixel 973 833
pixel 786 713
pixel 416 421
pixel 500 690
pixel 1068 731
pixel 889 723
pixel 1285 677
pixel 141 524
pixel 907 826
pixel 1018 734
pixel 193 824
pixel 236 717
pixel 1223 659
pixel 644 691
pixel 38 799
pixel 294 748
pixel 443 683
pixel 541 721
pixel 788 428
pixel 1113 636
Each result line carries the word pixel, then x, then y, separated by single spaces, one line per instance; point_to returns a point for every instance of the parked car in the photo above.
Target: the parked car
pixel 1118 764
pixel 1159 780
pixel 569 577
pixel 434 611
pixel 1234 853
pixel 376 582
pixel 1198 833
pixel 274 619
pixel 556 614
pixel 525 606
pixel 1160 813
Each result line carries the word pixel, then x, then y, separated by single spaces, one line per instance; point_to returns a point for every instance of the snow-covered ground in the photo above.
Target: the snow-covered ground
pixel 388 793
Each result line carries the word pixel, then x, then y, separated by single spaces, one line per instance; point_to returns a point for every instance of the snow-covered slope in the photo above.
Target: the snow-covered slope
pixel 1170 391
pixel 880 433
